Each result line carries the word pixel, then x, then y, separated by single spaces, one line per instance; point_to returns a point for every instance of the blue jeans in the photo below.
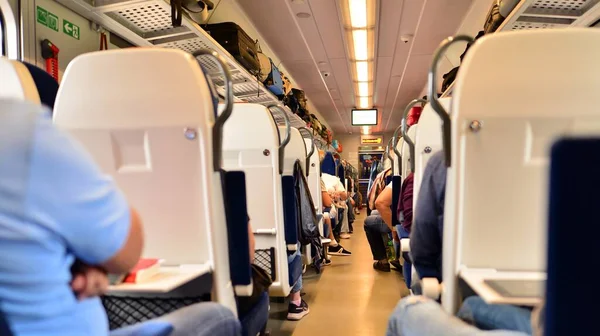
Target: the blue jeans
pixel 417 316
pixel 407 267
pixel 298 285
pixel 201 319
pixel 495 316
pixel 374 227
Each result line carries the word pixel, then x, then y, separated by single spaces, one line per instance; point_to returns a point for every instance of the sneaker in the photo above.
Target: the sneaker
pixel 382 265
pixel 339 250
pixel 296 313
pixel 396 265
pixel 345 235
pixel 326 262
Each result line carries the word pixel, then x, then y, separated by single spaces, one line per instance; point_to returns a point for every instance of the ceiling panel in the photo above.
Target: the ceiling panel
pixel 441 18
pixel 328 21
pixel 340 69
pixel 382 78
pixel 389 26
pixel 309 47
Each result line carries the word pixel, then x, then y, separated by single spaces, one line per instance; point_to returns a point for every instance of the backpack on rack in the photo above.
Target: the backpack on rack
pixel 315 124
pixel 270 75
pixel 300 96
pixel 198 10
pixel 235 40
pixel 290 101
pixel 497 14
pixel 287 84
pixel 302 113
pixel 450 76
pixel 334 143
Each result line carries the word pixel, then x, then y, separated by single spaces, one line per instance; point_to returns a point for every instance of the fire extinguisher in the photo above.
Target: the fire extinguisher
pixel 50 54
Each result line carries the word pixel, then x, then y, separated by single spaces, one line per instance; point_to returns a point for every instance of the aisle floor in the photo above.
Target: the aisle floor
pixel 347 298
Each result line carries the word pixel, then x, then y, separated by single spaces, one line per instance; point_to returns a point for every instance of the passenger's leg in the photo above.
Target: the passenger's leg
pixel 374 227
pixel 351 216
pixel 417 315
pixel 396 242
pixel 345 226
pixel 201 319
pixel 335 248
pixel 407 267
pixel 297 308
pixel 495 316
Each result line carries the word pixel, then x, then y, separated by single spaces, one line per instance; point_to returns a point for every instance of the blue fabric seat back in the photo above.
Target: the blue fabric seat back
pixel 46 85
pixel 290 216
pixel 396 187
pixel 236 214
pixel 328 164
pixel 4 328
pixel 573 233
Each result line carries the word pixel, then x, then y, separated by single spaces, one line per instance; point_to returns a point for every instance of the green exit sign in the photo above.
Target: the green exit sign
pixel 71 29
pixel 46 18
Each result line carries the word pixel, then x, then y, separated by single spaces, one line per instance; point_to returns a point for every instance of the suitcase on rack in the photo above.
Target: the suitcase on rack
pixel 241 46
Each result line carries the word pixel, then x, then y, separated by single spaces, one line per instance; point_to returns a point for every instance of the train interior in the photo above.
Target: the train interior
pixel 357 167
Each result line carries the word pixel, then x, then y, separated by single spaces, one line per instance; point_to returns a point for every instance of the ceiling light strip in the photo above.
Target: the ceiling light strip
pixel 362 40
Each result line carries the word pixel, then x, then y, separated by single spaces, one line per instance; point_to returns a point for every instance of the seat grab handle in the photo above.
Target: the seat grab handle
pixel 217 132
pixel 312 147
pixel 288 131
pixel 432 93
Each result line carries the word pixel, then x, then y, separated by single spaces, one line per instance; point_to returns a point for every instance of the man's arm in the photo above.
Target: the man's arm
pixel 327 202
pixel 130 253
pixel 83 205
pixel 251 241
pixel 383 204
pixel 341 190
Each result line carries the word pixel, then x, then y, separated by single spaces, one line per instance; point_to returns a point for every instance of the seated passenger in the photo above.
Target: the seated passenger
pixel 334 248
pixel 56 206
pixel 338 194
pixel 427 231
pixel 378 223
pixel 426 254
pixel 417 315
pixel 46 85
pixel 405 215
pixel 297 308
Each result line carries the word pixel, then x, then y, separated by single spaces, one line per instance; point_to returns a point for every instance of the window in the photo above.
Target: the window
pixel 9 42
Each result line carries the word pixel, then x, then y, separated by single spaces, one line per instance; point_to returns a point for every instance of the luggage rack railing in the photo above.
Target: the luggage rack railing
pixel 147 23
pixel 544 14
pixel 547 14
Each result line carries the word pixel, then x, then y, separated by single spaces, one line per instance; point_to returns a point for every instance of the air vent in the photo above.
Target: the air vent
pixel 570 8
pixel 144 18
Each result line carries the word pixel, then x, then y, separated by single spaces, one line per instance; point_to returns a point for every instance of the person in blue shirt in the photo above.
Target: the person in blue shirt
pixel 427 230
pixel 426 253
pixel 56 206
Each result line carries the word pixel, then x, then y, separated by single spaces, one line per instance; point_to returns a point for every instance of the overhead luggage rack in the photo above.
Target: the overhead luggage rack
pixel 548 14
pixel 544 14
pixel 148 24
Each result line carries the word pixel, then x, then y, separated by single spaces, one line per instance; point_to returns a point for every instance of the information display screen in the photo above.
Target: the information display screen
pixel 364 117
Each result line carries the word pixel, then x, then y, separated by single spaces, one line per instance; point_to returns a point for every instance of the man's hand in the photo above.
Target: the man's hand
pixel 89 282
